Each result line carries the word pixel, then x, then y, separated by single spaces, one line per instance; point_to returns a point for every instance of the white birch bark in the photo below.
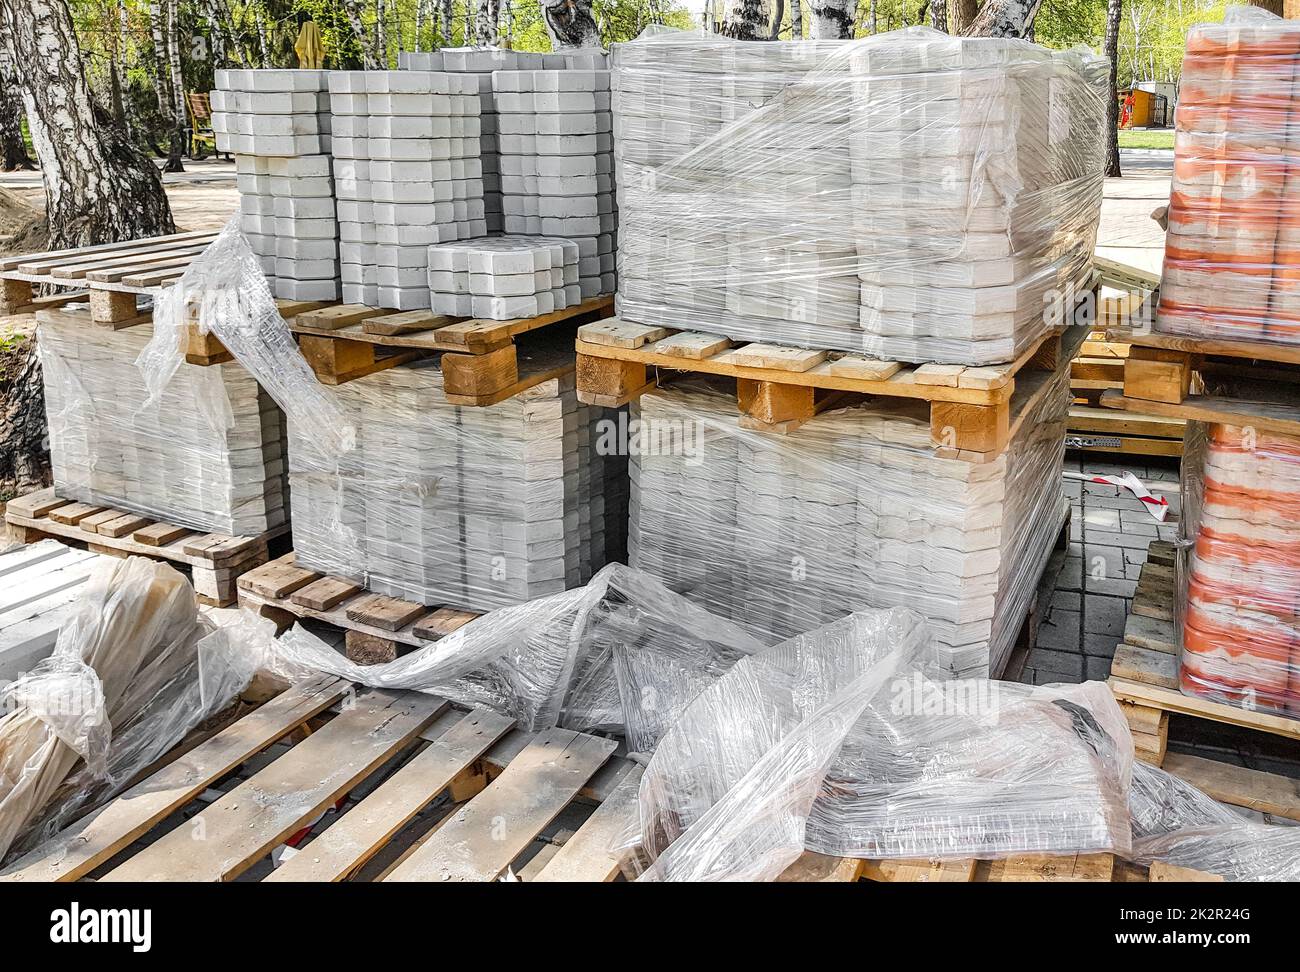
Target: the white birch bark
pixel 1004 18
pixel 570 24
pixel 486 23
pixel 833 19
pixel 746 20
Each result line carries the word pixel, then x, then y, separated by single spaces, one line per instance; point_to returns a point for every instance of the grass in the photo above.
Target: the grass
pixel 1158 138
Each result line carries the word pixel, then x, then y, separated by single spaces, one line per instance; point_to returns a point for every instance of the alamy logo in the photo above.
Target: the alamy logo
pixel 75 925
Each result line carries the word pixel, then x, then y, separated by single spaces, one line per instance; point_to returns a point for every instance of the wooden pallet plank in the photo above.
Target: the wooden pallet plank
pixel 74 513
pixel 277 579
pixel 256 816
pixel 693 345
pixel 160 534
pixel 12 263
pixel 404 322
pixel 1053 867
pixel 121 525
pixel 442 622
pixel 1145 665
pixel 864 368
pixel 382 611
pixel 1269 414
pixel 1169 700
pixel 77 851
pixel 1238 785
pixel 36 505
pixel 814 868
pixel 920 871
pixel 1254 350
pixel 1150 633
pixel 325 593
pixel 1154 595
pixel 946 375
pixel 91 523
pixel 495 827
pixel 775 357
pixel 615 333
pixel 362 831
pixel 586 855
pixel 1162 872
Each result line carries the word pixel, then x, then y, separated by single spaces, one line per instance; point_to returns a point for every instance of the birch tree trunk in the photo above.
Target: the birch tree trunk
pixel 871 16
pixel 796 20
pixel 1113 13
pixel 571 26
pixel 939 15
pixel 381 36
pixel 964 13
pixel 13 150
pixel 419 21
pixel 833 19
pixel 508 15
pixel 176 81
pixel 486 18
pixel 777 16
pixel 448 23
pixel 1004 18
pixel 98 189
pixel 352 11
pixel 747 20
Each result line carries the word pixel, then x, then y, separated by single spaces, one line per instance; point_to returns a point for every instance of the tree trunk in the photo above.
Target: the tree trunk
pixel 747 20
pixel 98 189
pixel 353 14
pixel 796 20
pixel 939 15
pixel 964 13
pixel 571 26
pixel 1272 6
pixel 1113 11
pixel 263 43
pixel 13 150
pixel 777 16
pixel 871 16
pixel 833 19
pixel 381 36
pixel 508 15
pixel 448 23
pixel 419 21
pixel 180 119
pixel 1004 18
pixel 486 35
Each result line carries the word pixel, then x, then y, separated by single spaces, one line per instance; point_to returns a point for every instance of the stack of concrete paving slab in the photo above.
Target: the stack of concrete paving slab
pixel 501 278
pixel 475 508
pixel 557 161
pixel 911 195
pixel 277 124
pixel 208 454
pixel 40 583
pixel 853 510
pixel 407 175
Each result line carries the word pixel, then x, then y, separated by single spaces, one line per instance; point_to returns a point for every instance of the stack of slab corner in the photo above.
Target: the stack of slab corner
pixel 912 195
pixel 208 454
pixel 277 124
pixel 40 584
pixel 474 508
pixel 853 510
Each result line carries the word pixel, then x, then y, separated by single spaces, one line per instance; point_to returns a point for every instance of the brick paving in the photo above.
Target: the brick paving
pixel 1109 533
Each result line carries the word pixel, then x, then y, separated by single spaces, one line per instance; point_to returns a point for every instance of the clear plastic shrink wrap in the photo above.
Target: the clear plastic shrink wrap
pixel 852 510
pixel 1238 608
pixel 1232 255
pixel 206 453
pixel 474 508
pixel 911 195
pixel 135 668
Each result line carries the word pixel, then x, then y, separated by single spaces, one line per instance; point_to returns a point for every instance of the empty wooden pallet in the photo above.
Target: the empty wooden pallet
pixel 377 628
pixel 214 560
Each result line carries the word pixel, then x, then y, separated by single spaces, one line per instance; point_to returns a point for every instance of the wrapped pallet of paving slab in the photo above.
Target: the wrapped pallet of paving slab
pixel 208 454
pixel 1232 257
pixel 277 123
pixel 854 510
pixel 1238 568
pixel 911 195
pixel 469 507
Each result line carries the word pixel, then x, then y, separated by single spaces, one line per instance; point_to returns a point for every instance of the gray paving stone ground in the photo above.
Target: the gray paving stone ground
pixel 1109 532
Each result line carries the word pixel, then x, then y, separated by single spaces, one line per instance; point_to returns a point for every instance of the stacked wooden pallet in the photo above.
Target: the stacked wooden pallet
pixel 1144 678
pixel 403 787
pixel 214 560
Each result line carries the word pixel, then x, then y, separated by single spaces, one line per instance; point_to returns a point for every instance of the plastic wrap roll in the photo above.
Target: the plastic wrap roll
pixel 853 510
pixel 207 453
pixel 474 508
pixel 1234 211
pixel 911 195
pixel 1238 608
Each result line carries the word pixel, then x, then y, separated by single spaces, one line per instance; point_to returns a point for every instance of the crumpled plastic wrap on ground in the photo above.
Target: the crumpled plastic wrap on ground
pixel 913 195
pixel 224 292
pixel 134 669
pixel 1232 256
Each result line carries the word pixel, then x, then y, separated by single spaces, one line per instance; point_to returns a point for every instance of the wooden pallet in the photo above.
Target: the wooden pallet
pixel 482 360
pixel 779 388
pixel 215 560
pixel 1093 429
pixel 377 628
pixel 1144 678
pixel 112 275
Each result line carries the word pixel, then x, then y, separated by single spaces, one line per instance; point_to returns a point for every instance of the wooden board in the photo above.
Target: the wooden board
pixel 1278 412
pixel 248 822
pixel 490 831
pixel 586 855
pixel 352 840
pixel 77 851
pixel 1242 787
pixel 1169 700
pixel 1254 350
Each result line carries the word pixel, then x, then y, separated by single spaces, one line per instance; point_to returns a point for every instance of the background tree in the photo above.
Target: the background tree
pixel 570 24
pixel 833 19
pixel 1112 104
pixel 747 20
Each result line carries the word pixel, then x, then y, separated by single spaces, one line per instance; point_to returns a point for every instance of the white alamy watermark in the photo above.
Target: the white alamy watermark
pixel 75 925
pixel 917 695
pixel 626 436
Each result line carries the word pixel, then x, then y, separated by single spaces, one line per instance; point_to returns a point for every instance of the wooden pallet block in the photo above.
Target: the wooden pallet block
pixel 779 388
pixel 214 560
pixel 377 628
